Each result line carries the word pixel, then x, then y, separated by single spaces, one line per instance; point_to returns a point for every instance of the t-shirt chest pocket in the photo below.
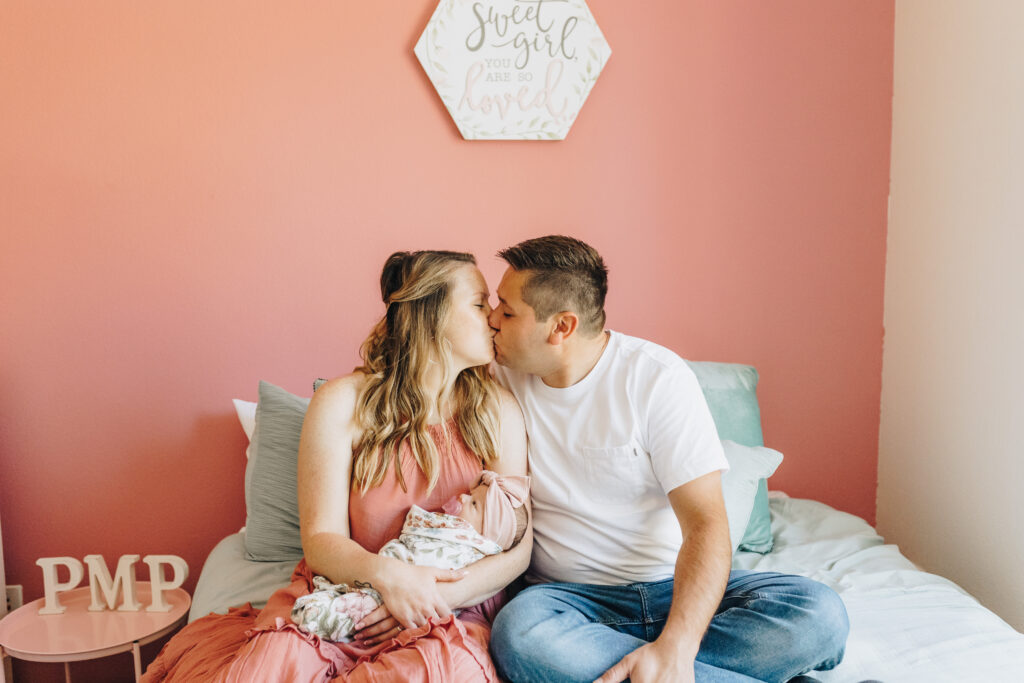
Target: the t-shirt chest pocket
pixel 615 475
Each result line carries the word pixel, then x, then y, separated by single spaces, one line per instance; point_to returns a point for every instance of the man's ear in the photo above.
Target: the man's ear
pixel 563 326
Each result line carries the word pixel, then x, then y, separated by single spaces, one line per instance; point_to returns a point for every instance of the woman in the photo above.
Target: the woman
pixel 415 424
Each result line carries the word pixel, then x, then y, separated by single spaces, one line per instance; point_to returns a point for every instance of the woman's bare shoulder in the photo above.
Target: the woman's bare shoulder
pixel 331 417
pixel 341 390
pixel 337 400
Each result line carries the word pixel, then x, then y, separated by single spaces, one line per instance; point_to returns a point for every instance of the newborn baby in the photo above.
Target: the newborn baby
pixel 489 519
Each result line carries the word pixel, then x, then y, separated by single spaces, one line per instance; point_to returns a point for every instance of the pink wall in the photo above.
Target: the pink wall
pixel 196 195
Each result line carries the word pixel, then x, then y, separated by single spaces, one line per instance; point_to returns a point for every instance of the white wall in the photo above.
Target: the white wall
pixel 951 452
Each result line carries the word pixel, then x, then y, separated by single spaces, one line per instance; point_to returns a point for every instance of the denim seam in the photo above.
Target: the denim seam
pixel 645 612
pixel 616 622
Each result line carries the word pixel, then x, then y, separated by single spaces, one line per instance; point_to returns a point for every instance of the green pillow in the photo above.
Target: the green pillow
pixel 731 392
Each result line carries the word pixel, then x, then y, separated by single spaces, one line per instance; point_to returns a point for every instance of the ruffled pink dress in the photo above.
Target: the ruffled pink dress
pixel 249 645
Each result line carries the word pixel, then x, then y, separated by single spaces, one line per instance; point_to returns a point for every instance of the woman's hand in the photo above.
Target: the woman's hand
pixel 411 598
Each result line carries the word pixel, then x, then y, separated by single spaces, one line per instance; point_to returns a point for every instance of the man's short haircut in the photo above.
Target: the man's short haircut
pixel 565 274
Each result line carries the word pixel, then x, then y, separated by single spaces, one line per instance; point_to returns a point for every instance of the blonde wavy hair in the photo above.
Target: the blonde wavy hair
pixel 393 406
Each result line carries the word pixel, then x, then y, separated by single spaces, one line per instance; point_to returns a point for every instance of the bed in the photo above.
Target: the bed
pixel 905 624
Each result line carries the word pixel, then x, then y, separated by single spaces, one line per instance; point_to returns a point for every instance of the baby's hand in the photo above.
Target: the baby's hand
pixel 376 627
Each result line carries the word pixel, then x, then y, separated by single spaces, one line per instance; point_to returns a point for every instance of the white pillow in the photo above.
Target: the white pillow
pixel 748 465
pixel 246 411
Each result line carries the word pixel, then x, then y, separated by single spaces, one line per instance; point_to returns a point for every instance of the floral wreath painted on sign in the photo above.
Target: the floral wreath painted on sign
pixel 513 69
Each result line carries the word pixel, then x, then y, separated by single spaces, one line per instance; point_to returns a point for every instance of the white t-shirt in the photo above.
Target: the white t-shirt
pixel 603 455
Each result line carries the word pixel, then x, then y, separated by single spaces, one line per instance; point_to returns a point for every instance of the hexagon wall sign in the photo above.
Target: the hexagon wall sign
pixel 513 69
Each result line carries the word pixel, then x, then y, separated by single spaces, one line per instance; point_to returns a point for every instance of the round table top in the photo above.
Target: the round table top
pixel 80 632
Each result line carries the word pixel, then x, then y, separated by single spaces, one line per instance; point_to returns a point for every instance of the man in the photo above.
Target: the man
pixel 631 561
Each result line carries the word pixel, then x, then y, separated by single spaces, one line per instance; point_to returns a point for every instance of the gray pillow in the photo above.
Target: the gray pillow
pixel 271 492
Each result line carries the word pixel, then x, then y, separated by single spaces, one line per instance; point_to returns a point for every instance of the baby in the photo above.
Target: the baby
pixel 487 520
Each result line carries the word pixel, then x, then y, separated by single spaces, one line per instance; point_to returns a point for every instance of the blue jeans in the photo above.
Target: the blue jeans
pixel 768 627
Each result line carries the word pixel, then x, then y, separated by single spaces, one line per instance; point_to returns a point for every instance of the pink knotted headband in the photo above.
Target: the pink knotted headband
pixel 505 493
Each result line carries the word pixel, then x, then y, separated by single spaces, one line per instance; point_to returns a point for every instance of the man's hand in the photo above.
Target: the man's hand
pixel 652 663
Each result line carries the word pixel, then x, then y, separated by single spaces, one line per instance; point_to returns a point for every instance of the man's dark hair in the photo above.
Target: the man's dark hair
pixel 565 274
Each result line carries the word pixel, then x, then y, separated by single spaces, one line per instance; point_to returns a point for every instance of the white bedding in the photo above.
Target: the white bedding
pixel 906 626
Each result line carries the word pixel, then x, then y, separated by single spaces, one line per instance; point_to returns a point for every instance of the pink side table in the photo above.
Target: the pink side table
pixel 79 634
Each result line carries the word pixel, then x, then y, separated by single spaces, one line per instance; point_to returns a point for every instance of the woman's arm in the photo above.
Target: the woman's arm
pixel 324 471
pixel 324 481
pixel 489 575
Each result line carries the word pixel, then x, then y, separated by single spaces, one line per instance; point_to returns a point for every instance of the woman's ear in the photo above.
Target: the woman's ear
pixel 563 326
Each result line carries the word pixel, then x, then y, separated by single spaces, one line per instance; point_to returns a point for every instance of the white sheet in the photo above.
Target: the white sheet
pixel 905 625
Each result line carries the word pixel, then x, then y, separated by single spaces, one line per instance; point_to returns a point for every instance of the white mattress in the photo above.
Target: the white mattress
pixel 905 625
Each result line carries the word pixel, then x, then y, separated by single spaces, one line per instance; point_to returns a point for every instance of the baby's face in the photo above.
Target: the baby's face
pixel 473 507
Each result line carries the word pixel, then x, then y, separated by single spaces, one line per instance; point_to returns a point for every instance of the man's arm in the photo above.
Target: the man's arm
pixel 701 574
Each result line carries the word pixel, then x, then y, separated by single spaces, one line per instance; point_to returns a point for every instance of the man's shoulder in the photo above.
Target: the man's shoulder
pixel 647 369
pixel 640 354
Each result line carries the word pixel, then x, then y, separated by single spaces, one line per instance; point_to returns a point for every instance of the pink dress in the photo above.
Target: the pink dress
pixel 264 645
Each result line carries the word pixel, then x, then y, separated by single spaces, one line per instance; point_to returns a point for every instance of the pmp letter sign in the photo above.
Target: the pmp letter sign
pixel 104 590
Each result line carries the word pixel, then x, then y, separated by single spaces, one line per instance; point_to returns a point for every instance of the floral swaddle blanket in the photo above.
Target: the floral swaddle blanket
pixel 430 539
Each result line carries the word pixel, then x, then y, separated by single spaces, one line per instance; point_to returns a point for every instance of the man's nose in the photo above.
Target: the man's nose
pixel 493 319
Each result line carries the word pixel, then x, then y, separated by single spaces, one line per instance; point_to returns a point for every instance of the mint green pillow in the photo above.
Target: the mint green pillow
pixel 731 392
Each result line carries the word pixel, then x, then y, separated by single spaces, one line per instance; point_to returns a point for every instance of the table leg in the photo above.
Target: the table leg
pixel 67 672
pixel 137 656
pixel 4 665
